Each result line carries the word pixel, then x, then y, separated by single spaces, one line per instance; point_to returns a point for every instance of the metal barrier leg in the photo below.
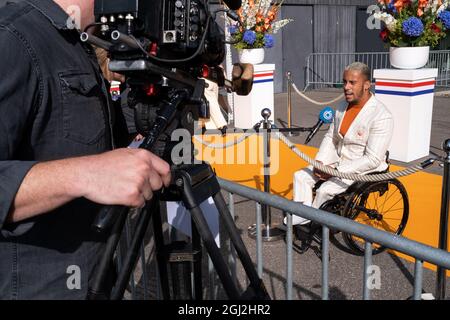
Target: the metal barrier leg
pixel 232 257
pixel 367 264
pixel 418 277
pixel 325 260
pixel 259 256
pixel 443 227
pixel 289 257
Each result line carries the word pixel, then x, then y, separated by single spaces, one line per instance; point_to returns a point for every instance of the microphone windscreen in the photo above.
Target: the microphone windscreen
pixel 233 4
pixel 326 115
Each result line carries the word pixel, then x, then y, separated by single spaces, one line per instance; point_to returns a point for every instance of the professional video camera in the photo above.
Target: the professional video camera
pixel 164 47
pixel 175 32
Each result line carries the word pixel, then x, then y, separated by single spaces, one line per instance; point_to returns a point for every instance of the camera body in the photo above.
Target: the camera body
pixel 171 30
pixel 165 49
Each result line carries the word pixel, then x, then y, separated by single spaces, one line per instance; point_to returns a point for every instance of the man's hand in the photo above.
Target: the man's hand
pixel 123 177
pixel 321 175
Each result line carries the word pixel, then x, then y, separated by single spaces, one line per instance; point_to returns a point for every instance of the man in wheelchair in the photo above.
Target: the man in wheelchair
pixel 356 142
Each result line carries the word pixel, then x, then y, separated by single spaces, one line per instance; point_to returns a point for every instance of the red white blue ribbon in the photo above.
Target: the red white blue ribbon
pixel 262 77
pixel 407 89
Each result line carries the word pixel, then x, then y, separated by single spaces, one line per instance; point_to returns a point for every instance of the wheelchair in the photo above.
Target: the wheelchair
pixel 382 204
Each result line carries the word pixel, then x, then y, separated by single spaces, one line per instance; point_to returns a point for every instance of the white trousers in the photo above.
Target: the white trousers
pixel 304 181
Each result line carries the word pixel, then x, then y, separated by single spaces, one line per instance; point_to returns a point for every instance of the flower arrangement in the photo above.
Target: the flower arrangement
pixel 413 23
pixel 258 23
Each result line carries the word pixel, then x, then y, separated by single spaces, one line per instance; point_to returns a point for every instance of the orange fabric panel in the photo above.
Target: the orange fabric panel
pixel 242 163
pixel 350 115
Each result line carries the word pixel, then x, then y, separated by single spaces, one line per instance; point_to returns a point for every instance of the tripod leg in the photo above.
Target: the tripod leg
pixel 174 270
pixel 197 263
pixel 239 245
pixel 133 251
pixel 160 254
pixel 96 290
pixel 214 253
pixel 187 274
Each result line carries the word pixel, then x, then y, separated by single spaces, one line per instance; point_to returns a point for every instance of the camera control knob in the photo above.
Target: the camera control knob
pixel 179 4
pixel 194 19
pixel 178 13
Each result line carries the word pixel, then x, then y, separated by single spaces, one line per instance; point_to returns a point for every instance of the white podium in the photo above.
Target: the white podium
pixel 408 94
pixel 247 109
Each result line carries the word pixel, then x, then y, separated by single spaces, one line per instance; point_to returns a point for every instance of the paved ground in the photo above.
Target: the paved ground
pixel 346 269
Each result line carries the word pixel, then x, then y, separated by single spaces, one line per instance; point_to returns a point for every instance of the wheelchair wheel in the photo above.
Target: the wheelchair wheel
pixel 383 205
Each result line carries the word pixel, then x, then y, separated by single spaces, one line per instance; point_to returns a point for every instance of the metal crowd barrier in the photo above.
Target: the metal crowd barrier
pixel 419 251
pixel 145 282
pixel 324 70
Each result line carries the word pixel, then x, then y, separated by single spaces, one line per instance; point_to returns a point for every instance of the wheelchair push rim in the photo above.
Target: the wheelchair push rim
pixel 383 205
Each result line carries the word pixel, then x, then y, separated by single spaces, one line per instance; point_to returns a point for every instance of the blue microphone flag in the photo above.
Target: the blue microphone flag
pixel 326 115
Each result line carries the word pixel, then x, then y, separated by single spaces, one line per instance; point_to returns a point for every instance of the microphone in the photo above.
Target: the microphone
pixel 326 115
pixel 233 4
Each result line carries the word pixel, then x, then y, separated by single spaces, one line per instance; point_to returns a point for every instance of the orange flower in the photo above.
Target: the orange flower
pixel 239 12
pixel 258 29
pixel 419 12
pixel 423 3
pixel 398 5
pixel 273 10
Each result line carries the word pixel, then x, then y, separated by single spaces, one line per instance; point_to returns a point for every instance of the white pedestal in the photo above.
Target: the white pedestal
pixel 408 94
pixel 247 109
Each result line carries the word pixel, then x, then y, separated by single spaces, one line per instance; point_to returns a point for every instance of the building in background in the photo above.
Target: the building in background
pixel 322 26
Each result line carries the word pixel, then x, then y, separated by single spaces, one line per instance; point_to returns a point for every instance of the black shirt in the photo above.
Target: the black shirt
pixel 53 105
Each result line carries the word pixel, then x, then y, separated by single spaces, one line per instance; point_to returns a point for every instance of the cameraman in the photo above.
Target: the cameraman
pixel 57 128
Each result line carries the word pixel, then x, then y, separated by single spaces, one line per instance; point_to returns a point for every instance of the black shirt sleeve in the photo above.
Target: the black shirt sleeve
pixel 19 99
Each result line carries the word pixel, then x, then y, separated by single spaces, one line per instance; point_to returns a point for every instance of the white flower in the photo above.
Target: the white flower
pixel 251 21
pixel 280 24
pixel 444 6
pixel 264 6
pixel 387 18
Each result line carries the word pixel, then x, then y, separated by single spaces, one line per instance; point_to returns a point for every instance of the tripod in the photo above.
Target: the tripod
pixel 192 184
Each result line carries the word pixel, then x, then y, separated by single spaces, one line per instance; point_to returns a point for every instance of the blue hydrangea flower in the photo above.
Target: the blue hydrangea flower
pixel 233 29
pixel 249 37
pixel 412 27
pixel 391 7
pixel 269 41
pixel 444 16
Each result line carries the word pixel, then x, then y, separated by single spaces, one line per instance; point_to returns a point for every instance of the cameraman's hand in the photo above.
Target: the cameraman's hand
pixel 123 177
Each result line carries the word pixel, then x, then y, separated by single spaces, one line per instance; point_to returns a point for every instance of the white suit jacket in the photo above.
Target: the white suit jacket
pixel 363 149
